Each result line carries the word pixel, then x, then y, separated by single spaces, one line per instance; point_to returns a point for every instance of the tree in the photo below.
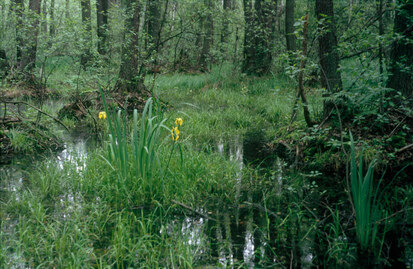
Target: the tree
pixel 86 14
pixel 289 25
pixel 28 60
pixel 131 78
pixel 67 8
pixel 52 29
pixel 207 38
pixel 44 15
pixel 4 65
pixel 102 22
pixel 401 65
pixel 18 9
pixel 153 21
pixel 258 38
pixel 226 5
pixel 328 56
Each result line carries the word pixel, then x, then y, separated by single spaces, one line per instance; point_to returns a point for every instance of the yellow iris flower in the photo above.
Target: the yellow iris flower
pixel 102 115
pixel 178 121
pixel 175 133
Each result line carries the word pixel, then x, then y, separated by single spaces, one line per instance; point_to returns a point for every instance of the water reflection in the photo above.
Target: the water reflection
pixel 11 181
pixel 232 239
pixel 75 153
pixel 189 232
pixel 14 177
pixel 67 205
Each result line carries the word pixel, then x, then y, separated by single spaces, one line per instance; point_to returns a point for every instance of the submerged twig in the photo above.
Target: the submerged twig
pixel 404 148
pixel 269 212
pixel 193 210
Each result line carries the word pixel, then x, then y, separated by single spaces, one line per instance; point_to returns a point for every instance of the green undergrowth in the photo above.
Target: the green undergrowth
pixel 90 215
pixel 81 218
pixel 225 103
pixel 123 205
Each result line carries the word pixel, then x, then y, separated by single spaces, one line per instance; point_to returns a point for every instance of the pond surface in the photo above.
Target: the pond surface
pixel 14 179
pixel 239 233
pixel 236 235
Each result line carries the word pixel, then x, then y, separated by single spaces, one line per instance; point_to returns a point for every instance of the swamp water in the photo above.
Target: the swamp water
pixel 244 233
pixel 236 234
pixel 14 179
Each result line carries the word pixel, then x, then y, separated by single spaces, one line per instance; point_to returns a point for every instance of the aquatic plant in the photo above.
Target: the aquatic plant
pixel 178 122
pixel 102 115
pixel 175 133
pixel 146 144
pixel 365 202
pixel 117 149
pixel 145 141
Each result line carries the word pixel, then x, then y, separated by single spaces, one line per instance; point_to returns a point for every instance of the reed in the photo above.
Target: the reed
pixel 117 148
pixel 146 142
pixel 366 204
pixel 136 152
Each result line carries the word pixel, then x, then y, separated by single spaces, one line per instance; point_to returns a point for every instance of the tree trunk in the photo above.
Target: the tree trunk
pixel 44 17
pixel 102 22
pixel 4 65
pixel 289 25
pixel 328 56
pixel 249 42
pixel 226 5
pixel 52 28
pixel 301 74
pixel 3 12
pixel 266 16
pixel 18 9
pixel 301 92
pixel 207 41
pixel 400 69
pixel 30 49
pixel 258 38
pixel 86 14
pixel 381 33
pixel 130 78
pixel 153 21
pixel 67 8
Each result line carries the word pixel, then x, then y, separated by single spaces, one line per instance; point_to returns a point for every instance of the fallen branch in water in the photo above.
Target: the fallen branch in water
pixel 404 148
pixel 38 109
pixel 8 120
pixel 263 209
pixel 193 210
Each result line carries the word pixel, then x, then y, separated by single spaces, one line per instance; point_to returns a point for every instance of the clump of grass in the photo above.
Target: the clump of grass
pixel 145 166
pixel 20 141
pixel 365 201
pixel 146 145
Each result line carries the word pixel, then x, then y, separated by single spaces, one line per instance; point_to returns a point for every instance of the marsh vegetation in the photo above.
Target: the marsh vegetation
pixel 145 134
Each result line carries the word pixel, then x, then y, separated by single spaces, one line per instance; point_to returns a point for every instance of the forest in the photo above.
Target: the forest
pixel 206 134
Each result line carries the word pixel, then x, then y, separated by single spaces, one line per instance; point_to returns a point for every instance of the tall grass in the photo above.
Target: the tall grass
pixel 100 227
pixel 146 145
pixel 145 141
pixel 366 204
pixel 117 149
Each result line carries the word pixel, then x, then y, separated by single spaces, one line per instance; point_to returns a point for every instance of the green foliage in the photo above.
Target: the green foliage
pixel 117 211
pixel 20 141
pixel 366 204
pixel 145 165
pixel 340 251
